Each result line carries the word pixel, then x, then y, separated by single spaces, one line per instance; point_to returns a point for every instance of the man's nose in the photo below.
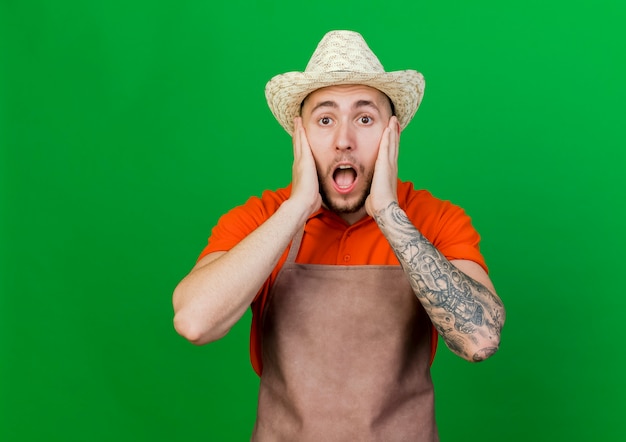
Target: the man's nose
pixel 344 139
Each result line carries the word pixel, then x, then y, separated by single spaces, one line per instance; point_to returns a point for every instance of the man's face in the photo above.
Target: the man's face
pixel 344 125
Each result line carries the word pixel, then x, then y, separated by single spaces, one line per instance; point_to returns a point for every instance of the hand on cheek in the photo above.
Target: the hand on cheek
pixel 305 185
pixel 384 182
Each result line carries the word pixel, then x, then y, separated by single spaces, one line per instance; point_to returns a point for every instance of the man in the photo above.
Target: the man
pixel 351 273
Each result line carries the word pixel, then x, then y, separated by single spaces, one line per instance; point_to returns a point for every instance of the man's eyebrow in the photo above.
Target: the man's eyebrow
pixel 365 103
pixel 327 103
pixel 356 105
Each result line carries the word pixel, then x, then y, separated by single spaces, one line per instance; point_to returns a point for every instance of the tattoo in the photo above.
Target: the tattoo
pixel 456 303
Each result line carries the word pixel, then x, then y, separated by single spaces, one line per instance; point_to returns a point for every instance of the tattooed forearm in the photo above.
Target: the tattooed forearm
pixel 461 309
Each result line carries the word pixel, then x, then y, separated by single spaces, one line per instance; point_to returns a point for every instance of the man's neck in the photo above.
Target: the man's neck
pixel 352 218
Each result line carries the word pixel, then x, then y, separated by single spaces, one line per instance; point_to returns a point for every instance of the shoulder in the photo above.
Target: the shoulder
pixel 423 203
pixel 436 218
pixel 258 208
pixel 446 225
pixel 239 222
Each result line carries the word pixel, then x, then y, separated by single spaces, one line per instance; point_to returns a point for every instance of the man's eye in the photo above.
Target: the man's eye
pixel 366 120
pixel 325 121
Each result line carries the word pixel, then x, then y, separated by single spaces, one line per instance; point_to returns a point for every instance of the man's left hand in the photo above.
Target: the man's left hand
pixel 385 181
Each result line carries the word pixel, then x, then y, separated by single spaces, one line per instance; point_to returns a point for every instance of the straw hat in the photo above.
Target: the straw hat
pixel 343 57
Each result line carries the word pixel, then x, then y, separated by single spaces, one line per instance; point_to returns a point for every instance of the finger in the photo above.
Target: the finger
pixel 298 128
pixel 383 147
pixel 296 136
pixel 304 142
pixel 304 153
pixel 394 139
pixel 306 146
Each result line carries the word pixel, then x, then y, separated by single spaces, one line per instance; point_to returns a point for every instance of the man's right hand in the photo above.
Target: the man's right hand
pixel 214 295
pixel 305 188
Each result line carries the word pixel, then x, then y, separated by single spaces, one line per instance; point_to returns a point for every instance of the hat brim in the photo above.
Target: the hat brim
pixel 285 92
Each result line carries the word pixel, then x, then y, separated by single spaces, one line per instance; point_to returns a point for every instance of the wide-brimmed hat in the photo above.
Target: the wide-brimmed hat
pixel 343 57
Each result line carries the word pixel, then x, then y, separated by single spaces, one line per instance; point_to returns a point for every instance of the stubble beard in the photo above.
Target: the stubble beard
pixel 341 205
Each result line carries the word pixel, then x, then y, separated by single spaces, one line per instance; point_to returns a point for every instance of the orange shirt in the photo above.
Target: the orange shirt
pixel 330 240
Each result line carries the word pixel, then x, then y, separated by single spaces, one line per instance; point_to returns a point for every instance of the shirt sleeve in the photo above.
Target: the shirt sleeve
pixel 242 220
pixel 458 239
pixel 447 227
pixel 234 226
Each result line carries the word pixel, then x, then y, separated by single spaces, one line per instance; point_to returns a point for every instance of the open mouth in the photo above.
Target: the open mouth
pixel 344 178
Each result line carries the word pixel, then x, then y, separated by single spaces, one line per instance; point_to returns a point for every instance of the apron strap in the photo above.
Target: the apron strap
pixel 295 247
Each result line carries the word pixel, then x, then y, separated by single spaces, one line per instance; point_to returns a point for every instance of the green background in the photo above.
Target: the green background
pixel 128 127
